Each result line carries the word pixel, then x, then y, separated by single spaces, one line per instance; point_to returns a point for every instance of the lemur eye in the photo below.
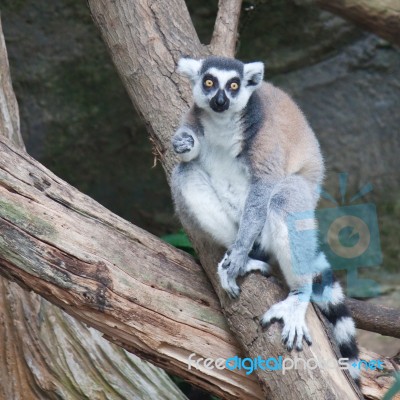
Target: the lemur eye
pixel 209 83
pixel 234 86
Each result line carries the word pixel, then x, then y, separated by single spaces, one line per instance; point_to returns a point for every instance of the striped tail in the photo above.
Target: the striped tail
pixel 328 295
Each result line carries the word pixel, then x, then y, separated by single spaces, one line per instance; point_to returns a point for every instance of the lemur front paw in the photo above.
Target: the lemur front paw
pixel 291 312
pixel 231 266
pixel 182 142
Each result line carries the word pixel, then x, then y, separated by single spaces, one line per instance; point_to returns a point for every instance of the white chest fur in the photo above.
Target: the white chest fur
pixel 229 176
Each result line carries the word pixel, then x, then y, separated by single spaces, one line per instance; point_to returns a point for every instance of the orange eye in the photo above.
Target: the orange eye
pixel 234 86
pixel 209 83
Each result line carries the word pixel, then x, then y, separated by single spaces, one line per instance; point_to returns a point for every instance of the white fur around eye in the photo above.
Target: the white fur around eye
pixel 190 68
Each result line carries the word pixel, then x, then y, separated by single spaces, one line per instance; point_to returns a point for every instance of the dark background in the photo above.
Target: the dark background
pixel 77 120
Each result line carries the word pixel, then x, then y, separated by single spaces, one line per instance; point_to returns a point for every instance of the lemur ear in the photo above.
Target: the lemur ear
pixel 190 68
pixel 253 73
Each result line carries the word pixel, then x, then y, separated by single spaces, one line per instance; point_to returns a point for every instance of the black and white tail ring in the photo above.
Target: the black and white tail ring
pixel 328 296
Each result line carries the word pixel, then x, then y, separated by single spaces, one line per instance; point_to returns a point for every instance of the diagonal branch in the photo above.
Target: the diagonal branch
pixel 141 293
pixel 57 345
pixel 225 35
pixel 373 318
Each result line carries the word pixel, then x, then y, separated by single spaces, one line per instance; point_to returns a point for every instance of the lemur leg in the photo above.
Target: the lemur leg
pixel 198 205
pixel 292 200
pixel 199 208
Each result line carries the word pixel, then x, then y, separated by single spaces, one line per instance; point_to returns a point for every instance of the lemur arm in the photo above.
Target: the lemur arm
pixel 253 219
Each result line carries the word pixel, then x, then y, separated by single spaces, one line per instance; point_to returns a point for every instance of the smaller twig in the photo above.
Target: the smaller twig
pixel 225 35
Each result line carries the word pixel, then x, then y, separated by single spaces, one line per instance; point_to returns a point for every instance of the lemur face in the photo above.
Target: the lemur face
pixel 222 85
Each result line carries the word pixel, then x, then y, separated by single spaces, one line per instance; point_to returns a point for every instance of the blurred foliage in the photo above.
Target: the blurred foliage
pixel 394 389
pixel 181 241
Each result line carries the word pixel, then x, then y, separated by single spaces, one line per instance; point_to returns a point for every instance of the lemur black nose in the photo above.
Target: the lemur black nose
pixel 220 102
pixel 221 98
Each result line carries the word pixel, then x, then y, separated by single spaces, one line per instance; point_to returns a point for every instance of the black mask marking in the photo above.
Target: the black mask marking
pixel 220 101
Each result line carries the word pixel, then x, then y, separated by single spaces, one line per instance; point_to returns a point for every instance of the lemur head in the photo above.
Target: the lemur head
pixel 222 84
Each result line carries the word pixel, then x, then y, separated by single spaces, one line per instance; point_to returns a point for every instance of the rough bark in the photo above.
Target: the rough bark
pixel 141 293
pixel 375 384
pixel 47 354
pixel 9 114
pixel 225 35
pixel 144 295
pixel 380 17
pixel 111 275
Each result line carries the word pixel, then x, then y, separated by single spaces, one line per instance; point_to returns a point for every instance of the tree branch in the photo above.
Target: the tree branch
pixel 65 356
pixel 380 17
pixel 9 114
pixel 373 318
pixel 225 35
pixel 144 295
pixel 140 292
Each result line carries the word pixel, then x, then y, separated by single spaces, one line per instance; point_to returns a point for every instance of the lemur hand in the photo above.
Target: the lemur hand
pixel 182 142
pixel 232 265
pixel 186 144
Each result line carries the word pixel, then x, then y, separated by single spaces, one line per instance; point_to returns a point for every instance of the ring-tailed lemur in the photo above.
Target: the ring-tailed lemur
pixel 249 160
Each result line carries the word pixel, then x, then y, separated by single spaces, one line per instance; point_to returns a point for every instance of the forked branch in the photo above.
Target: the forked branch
pixel 225 35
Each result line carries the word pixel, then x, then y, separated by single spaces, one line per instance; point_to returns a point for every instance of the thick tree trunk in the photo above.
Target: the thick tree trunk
pixel 47 354
pixel 146 39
